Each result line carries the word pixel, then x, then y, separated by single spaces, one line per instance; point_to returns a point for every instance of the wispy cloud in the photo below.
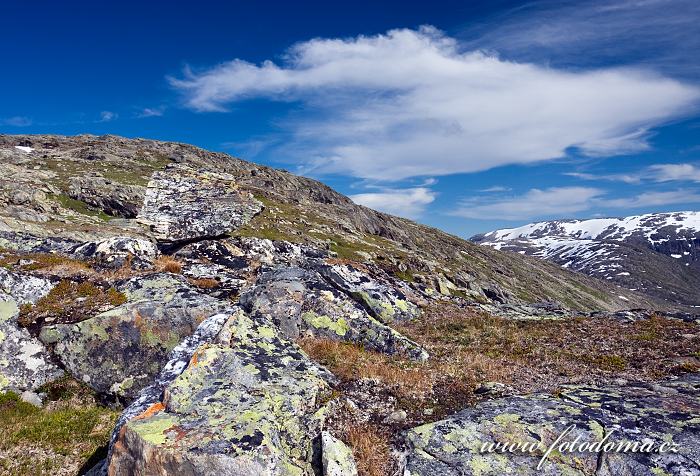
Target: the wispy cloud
pixel 653 173
pixel 151 112
pixel 414 103
pixel 558 201
pixel 16 121
pixel 663 34
pixel 652 199
pixel 562 202
pixel 107 116
pixel 407 202
pixel 495 189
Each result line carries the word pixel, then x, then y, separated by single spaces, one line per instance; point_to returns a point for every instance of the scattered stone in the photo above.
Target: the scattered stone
pixel 32 398
pixel 494 389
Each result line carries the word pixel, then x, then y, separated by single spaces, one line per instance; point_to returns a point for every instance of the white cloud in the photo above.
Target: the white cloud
pixel 16 121
pixel 561 202
pixel 106 116
pixel 412 103
pixel 653 173
pixel 652 199
pixel 151 112
pixel 675 172
pixel 496 188
pixel 408 202
pixel 557 201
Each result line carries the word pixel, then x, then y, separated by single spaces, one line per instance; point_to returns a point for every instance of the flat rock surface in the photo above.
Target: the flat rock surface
pixel 633 413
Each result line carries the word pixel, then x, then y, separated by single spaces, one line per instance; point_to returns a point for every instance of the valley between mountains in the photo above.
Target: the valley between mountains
pixel 166 310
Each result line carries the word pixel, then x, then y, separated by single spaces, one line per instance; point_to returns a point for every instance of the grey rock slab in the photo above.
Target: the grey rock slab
pixel 182 204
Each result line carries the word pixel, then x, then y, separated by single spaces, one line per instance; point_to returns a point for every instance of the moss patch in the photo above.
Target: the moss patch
pixel 68 302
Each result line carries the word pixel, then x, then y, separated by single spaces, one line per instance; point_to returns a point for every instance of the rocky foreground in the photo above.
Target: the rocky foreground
pixel 207 337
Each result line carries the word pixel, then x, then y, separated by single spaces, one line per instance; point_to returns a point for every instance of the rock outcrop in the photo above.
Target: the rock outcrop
pixel 120 351
pixel 182 204
pixel 208 359
pixel 300 302
pixel 250 403
pixel 112 197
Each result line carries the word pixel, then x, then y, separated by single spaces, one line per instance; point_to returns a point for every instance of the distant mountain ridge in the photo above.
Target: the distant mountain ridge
pixel 656 253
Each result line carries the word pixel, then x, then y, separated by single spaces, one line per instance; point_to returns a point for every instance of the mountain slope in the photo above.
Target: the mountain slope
pixel 85 187
pixel 657 254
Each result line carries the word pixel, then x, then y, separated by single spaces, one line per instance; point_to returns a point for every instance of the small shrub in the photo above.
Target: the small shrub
pixel 68 302
pixel 168 264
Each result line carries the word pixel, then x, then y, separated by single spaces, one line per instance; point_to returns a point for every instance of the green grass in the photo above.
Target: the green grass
pixel 65 434
pixel 81 207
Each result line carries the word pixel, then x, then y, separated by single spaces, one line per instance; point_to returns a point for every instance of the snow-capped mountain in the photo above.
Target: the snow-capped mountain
pixel 656 253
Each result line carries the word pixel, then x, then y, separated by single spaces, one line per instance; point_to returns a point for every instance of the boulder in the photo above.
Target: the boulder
pixel 628 412
pixel 118 251
pixel 383 300
pixel 120 351
pixel 248 403
pixel 25 363
pixel 336 457
pixel 182 204
pixel 114 198
pixel 301 302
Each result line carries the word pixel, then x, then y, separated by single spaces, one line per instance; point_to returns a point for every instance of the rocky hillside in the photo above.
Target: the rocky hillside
pixel 656 254
pixel 212 316
pixel 86 187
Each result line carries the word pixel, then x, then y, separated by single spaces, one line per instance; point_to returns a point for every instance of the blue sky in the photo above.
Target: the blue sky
pixel 467 116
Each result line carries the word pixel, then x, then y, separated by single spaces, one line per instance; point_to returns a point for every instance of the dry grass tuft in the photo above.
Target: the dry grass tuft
pixel 167 264
pixel 407 379
pixel 204 283
pixel 370 449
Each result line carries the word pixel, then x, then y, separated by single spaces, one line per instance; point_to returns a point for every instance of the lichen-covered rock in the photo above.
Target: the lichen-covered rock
pixel 120 351
pixel 118 251
pixel 630 413
pixel 336 457
pixel 383 300
pixel 301 302
pixel 271 253
pixel 112 197
pixel 247 404
pixel 24 362
pixel 182 204
pixel 29 243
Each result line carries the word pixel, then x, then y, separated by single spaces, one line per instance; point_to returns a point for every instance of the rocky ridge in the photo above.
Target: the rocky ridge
pixel 201 340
